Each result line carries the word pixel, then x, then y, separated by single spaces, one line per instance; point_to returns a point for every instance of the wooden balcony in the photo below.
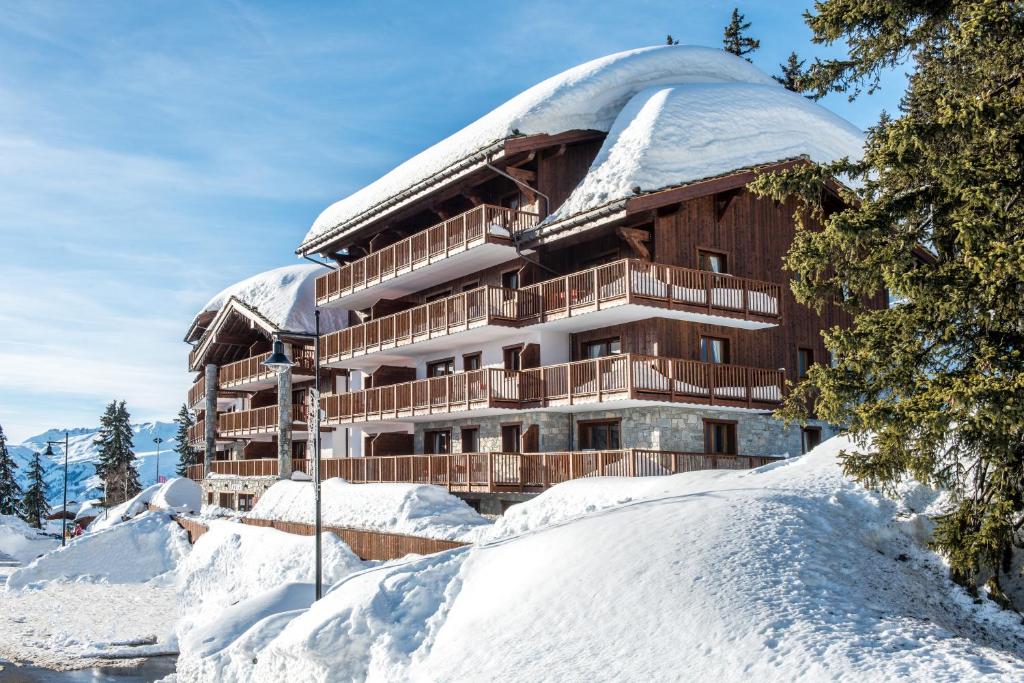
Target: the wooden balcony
pixel 255 421
pixel 611 294
pixel 197 393
pixel 625 380
pixel 461 312
pixel 497 472
pixel 480 237
pixel 197 433
pixel 251 374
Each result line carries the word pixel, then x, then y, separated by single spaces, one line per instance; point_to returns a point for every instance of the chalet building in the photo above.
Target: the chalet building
pixel 577 283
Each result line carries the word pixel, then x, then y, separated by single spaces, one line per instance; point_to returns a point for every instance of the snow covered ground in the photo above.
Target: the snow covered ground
pixel 108 594
pixel 790 572
pixel 414 509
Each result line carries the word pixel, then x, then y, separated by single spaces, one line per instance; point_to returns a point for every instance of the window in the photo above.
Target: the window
pixel 599 436
pixel 510 438
pixel 437 295
pixel 511 201
pixel 804 361
pixel 209 497
pixel 299 449
pixel 713 261
pixel 510 280
pixel 225 500
pixel 470 286
pixel 719 437
pixel 714 350
pixel 472 361
pixel 512 357
pixel 810 437
pixel 440 368
pixel 602 348
pixel 437 441
pixel 245 501
pixel 470 439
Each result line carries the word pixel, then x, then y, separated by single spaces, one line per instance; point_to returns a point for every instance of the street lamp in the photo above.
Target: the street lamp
pixel 158 441
pixel 64 516
pixel 281 363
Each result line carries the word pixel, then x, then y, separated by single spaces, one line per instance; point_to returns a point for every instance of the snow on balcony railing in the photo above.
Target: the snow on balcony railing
pixel 479 225
pixel 626 376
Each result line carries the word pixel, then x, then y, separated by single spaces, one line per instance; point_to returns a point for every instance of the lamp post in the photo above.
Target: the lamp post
pixel 64 515
pixel 158 441
pixel 281 363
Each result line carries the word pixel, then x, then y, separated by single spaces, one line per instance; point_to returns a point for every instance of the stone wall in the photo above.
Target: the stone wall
pixel 669 428
pixel 233 486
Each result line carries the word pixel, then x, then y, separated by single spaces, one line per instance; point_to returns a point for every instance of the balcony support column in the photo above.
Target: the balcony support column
pixel 210 424
pixel 284 421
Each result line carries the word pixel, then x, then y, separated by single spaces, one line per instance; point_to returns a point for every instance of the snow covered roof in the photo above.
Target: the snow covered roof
pixel 672 135
pixel 586 97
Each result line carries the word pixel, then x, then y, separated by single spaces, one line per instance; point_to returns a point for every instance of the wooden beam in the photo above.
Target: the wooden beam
pixel 525 143
pixel 228 340
pixel 723 200
pixel 522 175
pixel 635 238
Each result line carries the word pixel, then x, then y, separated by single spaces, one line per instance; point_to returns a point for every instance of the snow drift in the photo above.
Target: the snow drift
pixel 22 542
pixel 790 572
pixel 413 509
pixel 178 494
pixel 132 507
pixel 133 552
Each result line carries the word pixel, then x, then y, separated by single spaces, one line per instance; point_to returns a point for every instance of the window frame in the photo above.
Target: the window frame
pixel 606 341
pixel 732 436
pixel 589 425
pixel 800 351
pixel 518 348
pixel 726 346
pixel 478 356
pixel 804 433
pixel 462 438
pixel 518 426
pixel 513 274
pixel 449 362
pixel 429 445
pixel 711 251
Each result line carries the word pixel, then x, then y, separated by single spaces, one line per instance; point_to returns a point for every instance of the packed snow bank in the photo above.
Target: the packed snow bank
pixel 668 136
pixel 22 542
pixel 237 575
pixel 790 572
pixel 178 494
pixel 586 97
pixel 413 509
pixel 127 510
pixel 286 297
pixel 133 552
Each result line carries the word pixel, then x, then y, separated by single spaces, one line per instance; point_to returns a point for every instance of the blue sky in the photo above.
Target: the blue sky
pixel 153 153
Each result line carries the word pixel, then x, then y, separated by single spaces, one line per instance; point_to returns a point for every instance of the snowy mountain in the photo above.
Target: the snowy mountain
pixel 82 456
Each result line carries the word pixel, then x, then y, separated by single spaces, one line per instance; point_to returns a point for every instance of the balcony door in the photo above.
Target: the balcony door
pixel 714 349
pixel 713 261
pixel 601 348
pixel 437 441
pixel 720 437
pixel 599 435
pixel 510 436
pixel 440 368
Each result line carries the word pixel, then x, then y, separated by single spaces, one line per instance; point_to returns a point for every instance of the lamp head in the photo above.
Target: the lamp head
pixel 49 450
pixel 278 361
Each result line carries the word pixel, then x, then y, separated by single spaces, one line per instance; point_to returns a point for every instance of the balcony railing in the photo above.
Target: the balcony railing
pixel 197 392
pixel 255 421
pixel 620 377
pixel 477 307
pixel 485 223
pixel 622 282
pixel 252 370
pixel 197 432
pixel 527 472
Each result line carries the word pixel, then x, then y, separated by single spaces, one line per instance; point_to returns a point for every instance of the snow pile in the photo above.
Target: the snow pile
pixel 667 136
pixel 130 508
pixel 790 572
pixel 90 508
pixel 22 542
pixel 413 509
pixel 134 552
pixel 237 575
pixel 586 97
pixel 179 494
pixel 286 297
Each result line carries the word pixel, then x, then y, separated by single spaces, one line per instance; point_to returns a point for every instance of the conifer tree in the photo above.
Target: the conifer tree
pixel 669 40
pixel 187 455
pixel 736 39
pixel 792 77
pixel 10 492
pixel 932 386
pixel 33 504
pixel 116 466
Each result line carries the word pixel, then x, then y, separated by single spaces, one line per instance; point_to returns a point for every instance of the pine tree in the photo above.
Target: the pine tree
pixel 33 504
pixel 932 386
pixel 735 39
pixel 187 455
pixel 116 466
pixel 10 492
pixel 669 40
pixel 793 75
